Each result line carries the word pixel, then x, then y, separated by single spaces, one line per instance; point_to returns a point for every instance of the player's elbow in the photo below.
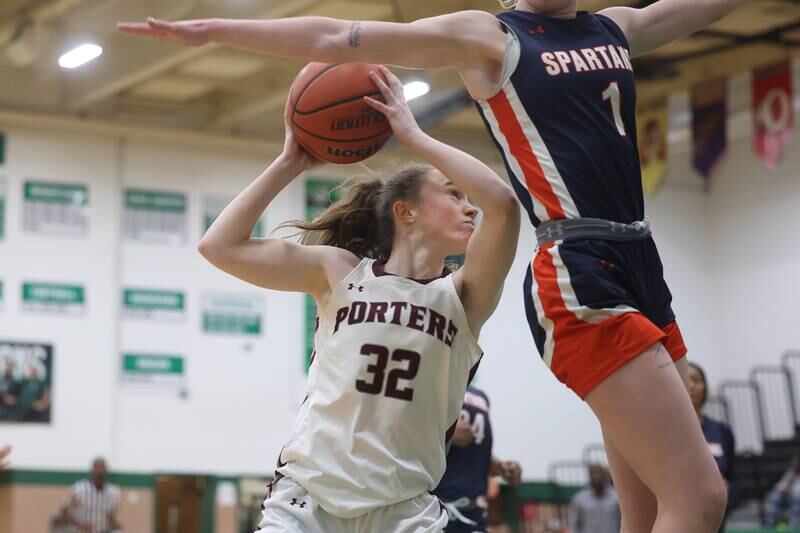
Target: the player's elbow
pixel 212 251
pixel 509 201
pixel 504 203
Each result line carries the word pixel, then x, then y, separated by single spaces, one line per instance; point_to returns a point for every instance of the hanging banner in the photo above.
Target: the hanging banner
pixel 213 206
pixel 709 125
pixel 26 379
pixel 55 208
pixel 53 298
pixel 320 194
pixel 154 371
pixel 155 217
pixel 233 314
pixel 773 112
pixel 154 304
pixel 653 125
pixel 2 208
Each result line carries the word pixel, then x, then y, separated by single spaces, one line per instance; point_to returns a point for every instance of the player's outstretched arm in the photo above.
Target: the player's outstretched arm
pixel 461 39
pixel 665 21
pixel 493 246
pixel 272 263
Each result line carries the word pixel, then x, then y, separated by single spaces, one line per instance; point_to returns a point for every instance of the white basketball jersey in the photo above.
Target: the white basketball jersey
pixel 392 362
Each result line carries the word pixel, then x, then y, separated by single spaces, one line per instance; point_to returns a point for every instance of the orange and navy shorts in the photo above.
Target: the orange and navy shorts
pixel 593 305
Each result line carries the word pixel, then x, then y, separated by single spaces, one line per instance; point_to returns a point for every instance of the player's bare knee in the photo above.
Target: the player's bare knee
pixel 710 499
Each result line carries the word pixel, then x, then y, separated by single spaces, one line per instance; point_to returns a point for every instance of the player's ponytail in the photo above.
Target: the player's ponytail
pixel 362 221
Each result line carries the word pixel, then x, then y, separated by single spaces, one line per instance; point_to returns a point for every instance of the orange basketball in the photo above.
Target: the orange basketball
pixel 328 114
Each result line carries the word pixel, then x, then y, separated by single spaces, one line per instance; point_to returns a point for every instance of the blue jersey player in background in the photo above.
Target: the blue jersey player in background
pixel 470 463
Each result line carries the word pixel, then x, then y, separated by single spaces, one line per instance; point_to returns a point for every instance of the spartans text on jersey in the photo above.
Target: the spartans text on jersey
pixel 587 59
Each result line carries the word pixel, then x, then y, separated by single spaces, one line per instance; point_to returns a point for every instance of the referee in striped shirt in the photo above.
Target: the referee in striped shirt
pixel 93 504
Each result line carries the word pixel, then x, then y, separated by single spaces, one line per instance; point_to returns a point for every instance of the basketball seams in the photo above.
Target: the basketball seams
pixel 340 102
pixel 310 83
pixel 302 92
pixel 317 136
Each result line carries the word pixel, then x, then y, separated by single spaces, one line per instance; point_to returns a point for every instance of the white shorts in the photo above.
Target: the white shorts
pixel 289 508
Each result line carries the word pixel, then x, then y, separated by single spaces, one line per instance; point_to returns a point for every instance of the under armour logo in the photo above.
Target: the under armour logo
pixel 295 502
pixel 605 265
pixel 554 230
pixel 354 286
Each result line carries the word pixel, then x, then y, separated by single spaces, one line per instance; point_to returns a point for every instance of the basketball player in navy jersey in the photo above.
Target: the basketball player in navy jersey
pixel 555 87
pixel 470 462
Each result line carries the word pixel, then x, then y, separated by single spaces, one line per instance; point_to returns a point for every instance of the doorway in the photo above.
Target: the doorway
pixel 179 503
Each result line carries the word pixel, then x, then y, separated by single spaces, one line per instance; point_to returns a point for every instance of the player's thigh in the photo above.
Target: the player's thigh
pixel 638 503
pixel 682 365
pixel 644 409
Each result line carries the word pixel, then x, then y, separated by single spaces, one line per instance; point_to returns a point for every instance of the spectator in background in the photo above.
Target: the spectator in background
pixel 783 501
pixel 93 503
pixel 718 434
pixel 595 509
pixel 34 397
pixel 4 451
pixel 9 391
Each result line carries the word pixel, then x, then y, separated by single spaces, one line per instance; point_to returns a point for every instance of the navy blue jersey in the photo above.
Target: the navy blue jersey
pixel 468 466
pixel 720 441
pixel 564 120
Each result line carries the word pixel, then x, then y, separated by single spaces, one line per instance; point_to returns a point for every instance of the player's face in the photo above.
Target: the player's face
pixel 99 471
pixel 445 214
pixel 697 387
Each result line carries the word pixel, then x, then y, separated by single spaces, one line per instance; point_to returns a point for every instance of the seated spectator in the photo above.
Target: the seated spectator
pixel 9 392
pixel 4 451
pixel 595 509
pixel 34 397
pixel 718 434
pixel 783 501
pixel 93 503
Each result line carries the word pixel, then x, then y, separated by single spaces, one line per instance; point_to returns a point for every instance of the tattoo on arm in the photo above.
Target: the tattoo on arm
pixel 355 35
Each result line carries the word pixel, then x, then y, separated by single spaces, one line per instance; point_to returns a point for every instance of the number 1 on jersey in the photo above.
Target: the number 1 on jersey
pixel 612 93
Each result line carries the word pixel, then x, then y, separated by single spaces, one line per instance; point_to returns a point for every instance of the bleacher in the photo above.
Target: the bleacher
pixel 763 409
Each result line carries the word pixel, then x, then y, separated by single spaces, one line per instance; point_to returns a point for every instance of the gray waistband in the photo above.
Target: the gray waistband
pixel 591 228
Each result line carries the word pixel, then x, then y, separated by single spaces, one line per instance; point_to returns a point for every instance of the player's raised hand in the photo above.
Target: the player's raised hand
pixel 292 151
pixel 185 32
pixel 463 435
pixel 396 109
pixel 511 472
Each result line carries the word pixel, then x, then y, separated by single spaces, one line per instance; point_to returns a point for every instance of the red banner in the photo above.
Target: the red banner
pixel 773 112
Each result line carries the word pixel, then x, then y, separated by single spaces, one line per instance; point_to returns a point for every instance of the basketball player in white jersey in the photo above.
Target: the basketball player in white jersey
pixel 396 342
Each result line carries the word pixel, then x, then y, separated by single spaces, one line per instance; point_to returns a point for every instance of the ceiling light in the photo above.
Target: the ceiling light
pixel 80 55
pixel 415 89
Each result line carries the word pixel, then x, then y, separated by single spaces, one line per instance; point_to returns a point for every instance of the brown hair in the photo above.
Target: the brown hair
pixel 363 220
